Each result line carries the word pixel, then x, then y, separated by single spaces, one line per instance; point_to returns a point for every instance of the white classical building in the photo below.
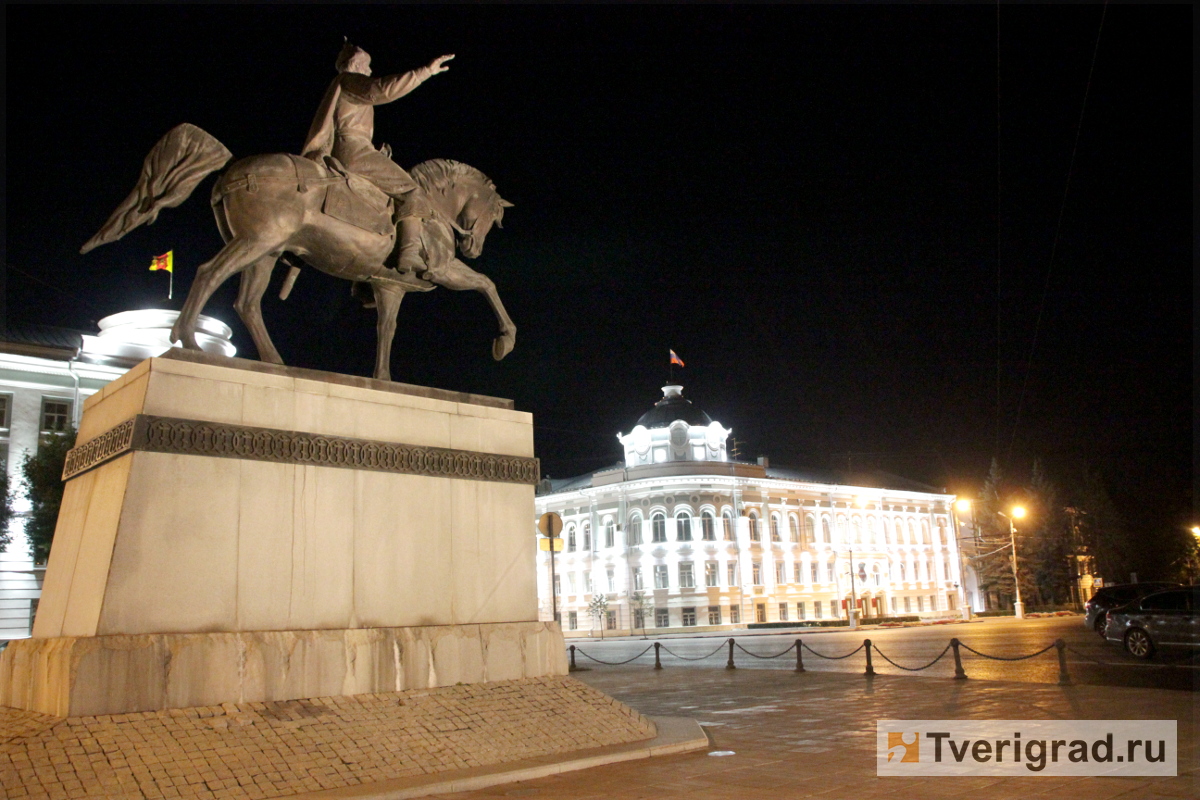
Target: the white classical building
pixel 45 375
pixel 680 536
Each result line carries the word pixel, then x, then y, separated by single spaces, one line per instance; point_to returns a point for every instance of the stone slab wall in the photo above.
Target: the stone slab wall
pixel 84 676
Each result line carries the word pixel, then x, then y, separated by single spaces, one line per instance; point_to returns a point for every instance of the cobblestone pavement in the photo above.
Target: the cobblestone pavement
pixel 261 750
pixel 813 735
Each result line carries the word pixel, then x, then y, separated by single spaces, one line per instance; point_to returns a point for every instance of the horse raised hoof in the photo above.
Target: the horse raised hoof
pixel 503 344
pixel 187 338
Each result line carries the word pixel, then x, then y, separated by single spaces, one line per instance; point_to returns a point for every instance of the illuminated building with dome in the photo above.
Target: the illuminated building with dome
pixel 681 536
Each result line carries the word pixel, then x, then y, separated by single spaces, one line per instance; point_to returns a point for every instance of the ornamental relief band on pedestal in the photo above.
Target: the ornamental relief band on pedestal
pixel 220 440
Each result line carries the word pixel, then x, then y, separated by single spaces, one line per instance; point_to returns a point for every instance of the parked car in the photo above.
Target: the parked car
pixel 1111 597
pixel 1170 619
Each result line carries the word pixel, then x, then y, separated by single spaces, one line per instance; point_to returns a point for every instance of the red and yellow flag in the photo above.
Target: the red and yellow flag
pixel 675 359
pixel 165 261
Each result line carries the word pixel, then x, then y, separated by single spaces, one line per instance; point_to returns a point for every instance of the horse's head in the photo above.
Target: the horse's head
pixel 467 196
pixel 484 208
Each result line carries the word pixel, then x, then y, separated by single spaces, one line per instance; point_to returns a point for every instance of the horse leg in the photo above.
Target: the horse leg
pixel 387 305
pixel 457 276
pixel 249 307
pixel 234 257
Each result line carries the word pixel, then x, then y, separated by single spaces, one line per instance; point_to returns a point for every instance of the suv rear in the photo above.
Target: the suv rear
pixel 1110 597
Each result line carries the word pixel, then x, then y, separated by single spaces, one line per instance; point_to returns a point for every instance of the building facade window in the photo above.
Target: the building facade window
pixel 920 603
pixel 826 533
pixel 756 572
pixel 731 570
pixel 829 576
pixel 760 612
pixel 800 611
pixel 683 528
pixel 660 576
pixel 754 535
pixel 817 613
pixel 558 584
pixel 727 525
pixel 662 618
pixel 810 530
pixel 686 579
pixel 572 620
pixel 735 615
pixel 783 612
pixel 813 568
pixel 570 582
pixel 635 575
pixel 587 537
pixel 714 615
pixel 712 576
pixel 907 604
pixel 56 415
pixel 570 538
pixel 780 572
pixel 689 617
pixel 794 527
pixel 708 527
pixel 5 411
pixel 609 533
pixel 799 573
pixel 611 620
pixel 639 618
pixel 875 573
pixel 658 527
pixel 775 528
pixel 633 533
pixel 611 574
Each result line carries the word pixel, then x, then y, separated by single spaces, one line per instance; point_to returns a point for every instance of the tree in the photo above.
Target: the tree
pixel 989 553
pixel 42 471
pixel 1045 542
pixel 642 603
pixel 598 608
pixel 5 509
pixel 1102 531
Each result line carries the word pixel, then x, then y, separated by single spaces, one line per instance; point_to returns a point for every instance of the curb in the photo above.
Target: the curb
pixel 675 735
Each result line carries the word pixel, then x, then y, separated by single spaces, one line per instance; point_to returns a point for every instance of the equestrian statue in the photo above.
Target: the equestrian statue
pixel 342 207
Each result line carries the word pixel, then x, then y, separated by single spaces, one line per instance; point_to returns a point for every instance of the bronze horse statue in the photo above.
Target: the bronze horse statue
pixel 280 206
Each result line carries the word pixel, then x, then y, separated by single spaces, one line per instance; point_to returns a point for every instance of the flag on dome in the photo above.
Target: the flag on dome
pixel 675 359
pixel 165 261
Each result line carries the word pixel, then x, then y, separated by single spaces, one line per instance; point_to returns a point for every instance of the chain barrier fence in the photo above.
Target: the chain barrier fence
pixel 799 647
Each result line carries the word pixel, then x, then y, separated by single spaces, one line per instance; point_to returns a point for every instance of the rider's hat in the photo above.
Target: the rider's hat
pixel 349 53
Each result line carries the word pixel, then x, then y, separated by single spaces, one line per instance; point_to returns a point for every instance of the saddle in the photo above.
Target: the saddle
pixel 357 201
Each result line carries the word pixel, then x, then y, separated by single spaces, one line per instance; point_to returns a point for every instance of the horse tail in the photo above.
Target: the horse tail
pixel 171 171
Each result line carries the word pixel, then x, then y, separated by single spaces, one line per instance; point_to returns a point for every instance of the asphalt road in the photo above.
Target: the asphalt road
pixel 917 646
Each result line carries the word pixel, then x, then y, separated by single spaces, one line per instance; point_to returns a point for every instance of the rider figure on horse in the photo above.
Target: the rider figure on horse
pixel 344 127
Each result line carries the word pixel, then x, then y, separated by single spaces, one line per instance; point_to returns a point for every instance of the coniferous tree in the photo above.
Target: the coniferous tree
pixel 5 509
pixel 44 487
pixel 989 554
pixel 1044 543
pixel 1102 530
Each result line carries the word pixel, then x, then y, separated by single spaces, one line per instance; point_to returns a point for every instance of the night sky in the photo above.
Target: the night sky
pixel 804 202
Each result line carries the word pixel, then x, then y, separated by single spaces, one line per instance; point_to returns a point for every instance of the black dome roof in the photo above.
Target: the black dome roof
pixel 672 407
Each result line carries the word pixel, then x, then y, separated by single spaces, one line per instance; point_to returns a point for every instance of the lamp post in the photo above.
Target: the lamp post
pixel 961 506
pixel 1196 534
pixel 1016 512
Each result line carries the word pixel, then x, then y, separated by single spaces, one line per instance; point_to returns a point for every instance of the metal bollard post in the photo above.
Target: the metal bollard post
pixel 959 674
pixel 572 649
pixel 799 656
pixel 657 662
pixel 729 664
pixel 870 668
pixel 1064 679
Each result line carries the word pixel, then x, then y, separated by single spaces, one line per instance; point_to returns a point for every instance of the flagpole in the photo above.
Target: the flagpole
pixel 171 283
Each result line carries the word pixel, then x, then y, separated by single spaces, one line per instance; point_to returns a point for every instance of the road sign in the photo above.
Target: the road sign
pixel 550 524
pixel 544 544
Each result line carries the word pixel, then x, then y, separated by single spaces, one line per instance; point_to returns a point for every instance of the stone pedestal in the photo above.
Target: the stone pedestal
pixel 233 531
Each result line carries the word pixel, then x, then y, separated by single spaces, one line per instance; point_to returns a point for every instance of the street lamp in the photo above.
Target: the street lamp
pixel 1016 512
pixel 961 506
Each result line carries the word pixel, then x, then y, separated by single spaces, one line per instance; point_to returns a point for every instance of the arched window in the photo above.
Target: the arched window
pixel 794 525
pixel 942 539
pixel 826 533
pixel 633 532
pixel 925 531
pixel 683 527
pixel 609 533
pixel 871 530
pixel 856 525
pixel 727 524
pixel 912 532
pixel 587 536
pixel 875 574
pixel 903 571
pixel 708 526
pixel 658 527
pixel 775 528
pixel 754 526
pixel 810 529
pixel 887 530
pixel 570 538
